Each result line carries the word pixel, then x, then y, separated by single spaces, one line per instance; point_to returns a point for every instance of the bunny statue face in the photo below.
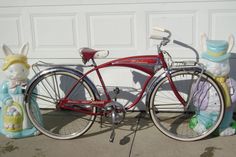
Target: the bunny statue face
pixel 218 69
pixel 15 65
pixel 17 71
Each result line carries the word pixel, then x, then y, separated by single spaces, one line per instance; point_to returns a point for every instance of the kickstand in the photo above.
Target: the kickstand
pixel 112 136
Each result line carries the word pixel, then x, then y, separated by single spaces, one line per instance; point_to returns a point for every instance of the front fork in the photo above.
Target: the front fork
pixel 175 90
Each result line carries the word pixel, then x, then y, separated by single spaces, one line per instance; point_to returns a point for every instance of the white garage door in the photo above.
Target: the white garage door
pixel 56 29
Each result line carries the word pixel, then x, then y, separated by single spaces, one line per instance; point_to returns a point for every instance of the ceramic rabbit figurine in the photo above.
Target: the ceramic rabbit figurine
pixel 216 54
pixel 13 119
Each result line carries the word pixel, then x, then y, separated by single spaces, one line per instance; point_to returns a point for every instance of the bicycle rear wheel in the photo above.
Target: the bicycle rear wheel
pixel 199 118
pixel 42 104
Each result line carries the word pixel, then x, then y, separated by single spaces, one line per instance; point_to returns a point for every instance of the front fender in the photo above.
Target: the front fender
pixel 153 85
pixel 171 71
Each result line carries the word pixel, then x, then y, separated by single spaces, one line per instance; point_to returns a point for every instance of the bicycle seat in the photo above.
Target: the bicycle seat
pixel 88 53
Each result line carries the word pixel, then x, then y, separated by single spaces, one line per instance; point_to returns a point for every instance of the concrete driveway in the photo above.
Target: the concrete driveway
pixel 136 137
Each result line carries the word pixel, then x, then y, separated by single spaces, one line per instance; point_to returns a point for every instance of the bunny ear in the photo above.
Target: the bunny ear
pixel 204 38
pixel 24 50
pixel 7 51
pixel 231 42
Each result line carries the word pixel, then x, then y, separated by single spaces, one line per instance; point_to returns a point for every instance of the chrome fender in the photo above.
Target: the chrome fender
pixel 171 71
pixel 70 70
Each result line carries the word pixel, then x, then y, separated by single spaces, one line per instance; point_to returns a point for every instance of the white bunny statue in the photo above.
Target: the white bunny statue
pixel 14 122
pixel 216 54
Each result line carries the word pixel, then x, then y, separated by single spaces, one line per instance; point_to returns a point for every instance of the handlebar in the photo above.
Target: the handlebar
pixel 157 37
pixel 166 39
pixel 189 47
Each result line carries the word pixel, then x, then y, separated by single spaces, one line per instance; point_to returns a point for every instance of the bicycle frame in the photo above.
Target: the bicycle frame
pixel 148 64
pixel 58 89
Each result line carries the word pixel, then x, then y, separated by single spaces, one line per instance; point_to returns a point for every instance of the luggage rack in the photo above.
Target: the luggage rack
pixel 181 64
pixel 40 65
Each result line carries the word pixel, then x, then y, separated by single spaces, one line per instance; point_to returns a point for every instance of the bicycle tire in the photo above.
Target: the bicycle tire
pixel 180 123
pixel 42 96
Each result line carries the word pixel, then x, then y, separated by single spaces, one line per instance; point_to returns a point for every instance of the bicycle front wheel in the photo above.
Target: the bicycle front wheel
pixel 199 118
pixel 43 109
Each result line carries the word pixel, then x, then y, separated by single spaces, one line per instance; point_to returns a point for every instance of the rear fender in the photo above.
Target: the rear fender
pixel 70 70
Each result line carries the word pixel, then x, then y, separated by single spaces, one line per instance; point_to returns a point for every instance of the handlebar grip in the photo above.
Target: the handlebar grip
pixel 159 29
pixel 162 30
pixel 180 43
pixel 156 37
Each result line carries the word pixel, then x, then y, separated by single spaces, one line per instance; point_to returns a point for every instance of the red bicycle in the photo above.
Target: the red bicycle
pixel 69 101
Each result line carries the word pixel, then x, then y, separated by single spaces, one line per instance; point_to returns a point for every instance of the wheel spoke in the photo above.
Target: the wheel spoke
pixel 43 97
pixel 46 86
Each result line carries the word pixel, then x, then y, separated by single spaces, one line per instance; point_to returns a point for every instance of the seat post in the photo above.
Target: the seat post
pixel 101 80
pixel 94 63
